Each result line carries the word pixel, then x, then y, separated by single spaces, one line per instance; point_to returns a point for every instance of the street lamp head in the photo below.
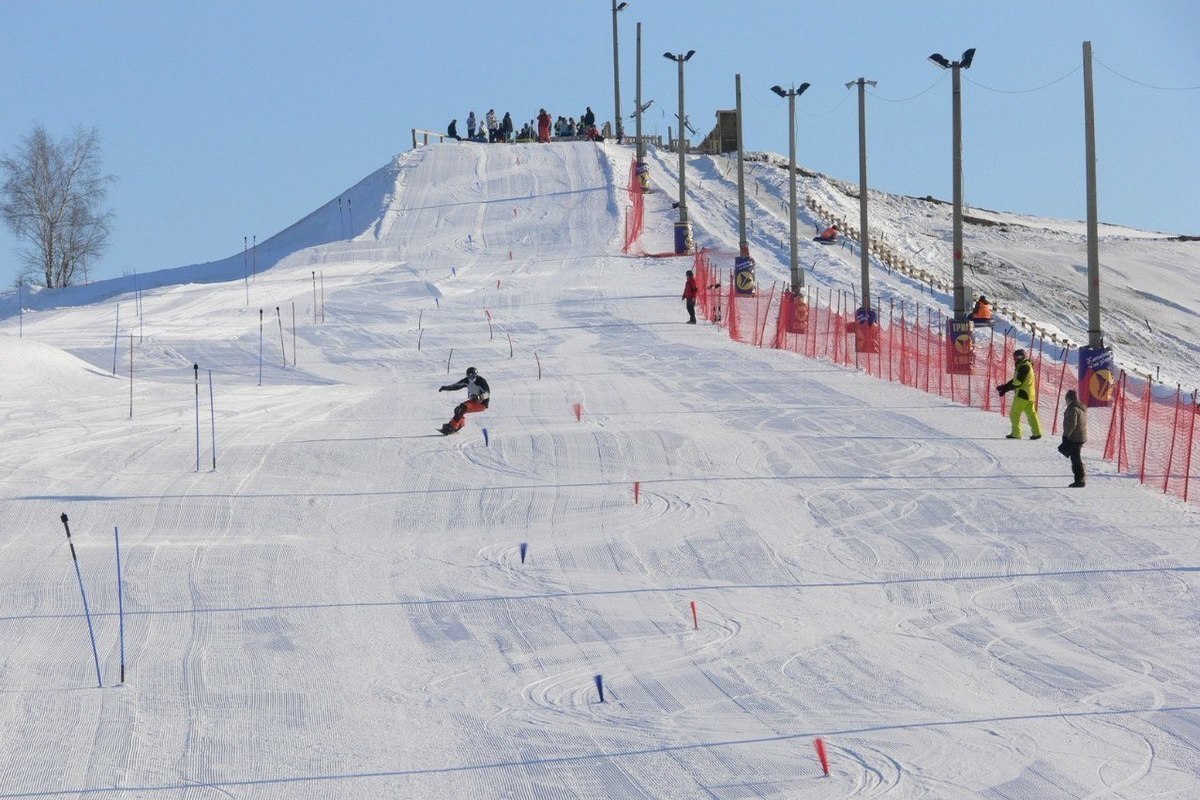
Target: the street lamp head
pixel 670 56
pixel 967 58
pixel 779 91
pixel 621 6
pixel 691 53
pixel 803 88
pixel 940 60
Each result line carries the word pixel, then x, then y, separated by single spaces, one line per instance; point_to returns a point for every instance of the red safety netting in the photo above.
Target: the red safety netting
pixel 1144 430
pixel 635 215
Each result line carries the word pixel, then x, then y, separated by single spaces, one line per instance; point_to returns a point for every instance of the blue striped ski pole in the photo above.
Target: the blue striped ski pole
pixel 86 612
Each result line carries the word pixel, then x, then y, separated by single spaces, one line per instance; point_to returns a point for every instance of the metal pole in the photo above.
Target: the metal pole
pixel 793 242
pixel 960 300
pixel 743 245
pixel 1095 334
pixel 683 216
pixel 641 146
pixel 86 611
pixel 617 70
pixel 863 222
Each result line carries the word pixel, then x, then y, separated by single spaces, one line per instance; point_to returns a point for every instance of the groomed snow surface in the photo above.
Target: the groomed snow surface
pixel 340 609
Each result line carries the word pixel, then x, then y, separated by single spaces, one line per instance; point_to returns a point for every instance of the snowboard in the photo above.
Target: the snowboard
pixel 444 431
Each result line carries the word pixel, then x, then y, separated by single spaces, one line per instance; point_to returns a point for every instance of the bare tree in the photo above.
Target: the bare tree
pixel 53 199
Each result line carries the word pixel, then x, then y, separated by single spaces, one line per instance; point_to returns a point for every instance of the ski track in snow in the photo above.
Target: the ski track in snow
pixel 339 607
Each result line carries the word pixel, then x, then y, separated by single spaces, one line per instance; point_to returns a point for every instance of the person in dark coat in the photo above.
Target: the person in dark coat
pixel 471 125
pixel 1074 436
pixel 479 395
pixel 452 130
pixel 589 118
pixel 506 127
pixel 689 297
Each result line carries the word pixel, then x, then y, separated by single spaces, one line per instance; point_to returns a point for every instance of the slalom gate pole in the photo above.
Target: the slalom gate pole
pixel 449 358
pixel 86 611
pixel 491 335
pixel 260 337
pixel 131 376
pixel 212 412
pixel 510 347
pixel 254 257
pixel 246 266
pixel 523 548
pixel 819 744
pixel 539 363
pixel 196 369
pixel 314 274
pixel 600 686
pixel 120 602
pixel 282 348
pixel 116 337
pixel 695 617
pixel 293 333
pixel 350 213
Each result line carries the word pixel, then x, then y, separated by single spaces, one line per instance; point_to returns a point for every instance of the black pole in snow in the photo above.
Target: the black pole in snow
pixel 86 611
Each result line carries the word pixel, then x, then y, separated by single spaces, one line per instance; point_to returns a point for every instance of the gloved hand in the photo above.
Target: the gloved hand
pixel 1000 390
pixel 441 388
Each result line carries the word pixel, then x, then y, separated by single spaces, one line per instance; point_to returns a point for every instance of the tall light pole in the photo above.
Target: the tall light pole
pixel 956 67
pixel 683 228
pixel 791 95
pixel 616 9
pixel 864 232
pixel 1096 365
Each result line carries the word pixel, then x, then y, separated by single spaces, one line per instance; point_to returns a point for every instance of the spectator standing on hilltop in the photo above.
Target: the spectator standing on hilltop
pixel 689 297
pixel 452 131
pixel 471 125
pixel 493 125
pixel 588 118
pixel 506 125
pixel 543 122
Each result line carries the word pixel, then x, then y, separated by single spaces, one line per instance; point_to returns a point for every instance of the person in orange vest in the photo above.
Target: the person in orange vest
pixel 828 235
pixel 689 297
pixel 982 312
pixel 543 122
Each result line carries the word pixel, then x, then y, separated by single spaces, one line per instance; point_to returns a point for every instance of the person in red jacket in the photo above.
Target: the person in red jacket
pixel 543 120
pixel 689 297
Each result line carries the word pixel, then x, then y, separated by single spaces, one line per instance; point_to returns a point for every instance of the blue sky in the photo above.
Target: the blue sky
pixel 224 120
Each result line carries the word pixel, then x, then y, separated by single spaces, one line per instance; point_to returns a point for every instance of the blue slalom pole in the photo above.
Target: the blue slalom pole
pixel 86 612
pixel 120 603
pixel 600 686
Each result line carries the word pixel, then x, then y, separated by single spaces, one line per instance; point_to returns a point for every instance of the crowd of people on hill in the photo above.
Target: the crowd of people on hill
pixel 491 129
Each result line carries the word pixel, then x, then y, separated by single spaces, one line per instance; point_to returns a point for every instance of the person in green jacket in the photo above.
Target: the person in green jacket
pixel 1024 383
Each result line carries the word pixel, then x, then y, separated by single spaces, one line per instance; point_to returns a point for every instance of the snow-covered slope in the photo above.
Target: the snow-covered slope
pixel 335 601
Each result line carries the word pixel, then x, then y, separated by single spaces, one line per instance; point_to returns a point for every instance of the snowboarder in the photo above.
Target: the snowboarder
pixel 1074 436
pixel 479 394
pixel 689 297
pixel 1024 382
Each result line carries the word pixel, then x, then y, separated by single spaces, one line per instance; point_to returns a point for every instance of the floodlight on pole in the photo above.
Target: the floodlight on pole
pixel 616 9
pixel 956 67
pixel 683 232
pixel 797 276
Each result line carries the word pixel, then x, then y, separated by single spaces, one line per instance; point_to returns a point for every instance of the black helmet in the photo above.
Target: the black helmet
pixel 471 370
pixel 1018 355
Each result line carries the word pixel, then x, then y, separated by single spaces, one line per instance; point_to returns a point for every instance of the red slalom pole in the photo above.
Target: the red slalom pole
pixel 820 745
pixel 637 490
pixel 579 412
pixel 696 622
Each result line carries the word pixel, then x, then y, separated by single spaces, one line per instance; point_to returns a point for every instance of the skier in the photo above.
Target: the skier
pixel 471 125
pixel 1024 382
pixel 689 297
pixel 479 394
